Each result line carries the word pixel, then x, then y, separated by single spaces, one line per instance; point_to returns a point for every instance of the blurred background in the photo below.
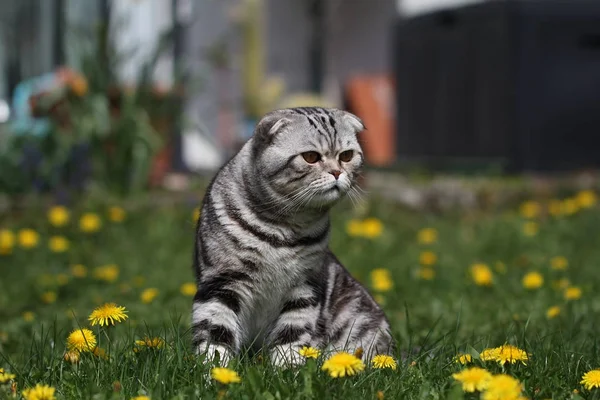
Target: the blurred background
pixel 125 96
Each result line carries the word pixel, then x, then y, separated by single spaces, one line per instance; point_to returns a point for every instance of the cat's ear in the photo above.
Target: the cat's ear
pixel 271 123
pixel 353 122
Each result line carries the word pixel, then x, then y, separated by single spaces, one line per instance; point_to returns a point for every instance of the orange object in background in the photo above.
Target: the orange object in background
pixel 371 98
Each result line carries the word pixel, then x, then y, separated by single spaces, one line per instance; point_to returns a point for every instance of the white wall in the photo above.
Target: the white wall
pixel 415 7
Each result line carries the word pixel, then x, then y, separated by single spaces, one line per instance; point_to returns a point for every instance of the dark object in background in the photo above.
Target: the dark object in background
pixel 516 82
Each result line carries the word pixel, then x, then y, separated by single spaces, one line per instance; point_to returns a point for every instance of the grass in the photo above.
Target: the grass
pixel 433 320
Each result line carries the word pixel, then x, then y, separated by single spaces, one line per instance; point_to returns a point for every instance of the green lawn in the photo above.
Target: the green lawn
pixel 433 320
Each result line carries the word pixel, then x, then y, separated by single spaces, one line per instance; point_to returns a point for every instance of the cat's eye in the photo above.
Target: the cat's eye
pixel 346 156
pixel 311 157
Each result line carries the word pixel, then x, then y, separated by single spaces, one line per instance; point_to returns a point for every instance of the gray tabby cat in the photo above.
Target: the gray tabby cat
pixel 265 274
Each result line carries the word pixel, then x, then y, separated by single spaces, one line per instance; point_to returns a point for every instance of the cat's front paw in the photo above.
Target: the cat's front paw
pixel 216 353
pixel 286 357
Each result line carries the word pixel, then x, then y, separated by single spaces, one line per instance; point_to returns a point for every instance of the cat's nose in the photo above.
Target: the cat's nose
pixel 336 174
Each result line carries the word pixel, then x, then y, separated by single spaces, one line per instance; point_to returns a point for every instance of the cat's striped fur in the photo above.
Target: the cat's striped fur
pixel 265 274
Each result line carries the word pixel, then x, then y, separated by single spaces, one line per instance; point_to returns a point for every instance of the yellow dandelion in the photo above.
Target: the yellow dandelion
pixel 384 361
pixel 49 297
pixel 379 299
pixel 555 208
pixel 591 379
pixel 116 214
pixel 71 356
pixel 473 379
pixel 140 398
pixel 62 279
pixel 81 340
pixel 149 343
pixel 511 354
pixel 58 244
pixel 572 293
pixel 380 395
pixel 5 376
pixel 343 364
pixel 463 358
pixel 188 289
pixel 489 354
pixel 533 280
pixel 100 353
pixel 7 241
pixel 108 314
pixel 79 271
pixel 196 214
pixel 559 263
pixel 28 316
pixel 428 258
pixel 530 228
pixel 148 295
pixel 372 228
pixel 427 236
pixel 108 273
pixel 309 352
pixel 89 223
pixel 482 275
pixel 381 280
pixel 503 387
pixel 530 209
pixel 58 216
pixel 570 206
pixel 28 238
pixel 553 312
pixel 354 228
pixel 561 284
pixel 426 273
pixel 225 375
pixel 586 199
pixel 39 392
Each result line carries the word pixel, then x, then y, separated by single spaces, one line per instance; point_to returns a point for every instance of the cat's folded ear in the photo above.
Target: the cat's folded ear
pixel 268 127
pixel 353 122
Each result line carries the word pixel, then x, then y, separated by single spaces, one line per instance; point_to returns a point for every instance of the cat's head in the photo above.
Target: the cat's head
pixel 310 156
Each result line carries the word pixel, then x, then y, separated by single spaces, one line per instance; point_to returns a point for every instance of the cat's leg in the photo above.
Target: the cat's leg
pixel 294 328
pixel 215 323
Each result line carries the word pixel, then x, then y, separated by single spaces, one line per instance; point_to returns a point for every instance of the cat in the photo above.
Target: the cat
pixel 265 274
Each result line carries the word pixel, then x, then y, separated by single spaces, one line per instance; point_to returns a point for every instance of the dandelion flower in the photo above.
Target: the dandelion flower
pixel 511 354
pixel 555 208
pixel 489 354
pixel 381 280
pixel 553 312
pixel 383 361
pixel 81 340
pixel 533 280
pixel 100 353
pixel 570 206
pixel 148 295
pixel 58 216
pixel 140 398
pixel 591 379
pixel 481 274
pixel 503 387
pixel 426 273
pixel 108 314
pixel 28 238
pixel 428 258
pixel 225 376
pixel 89 223
pixel 463 358
pixel 586 199
pixel 49 297
pixel 148 343
pixel 372 228
pixel 39 392
pixel 116 214
pixel 108 273
pixel 559 263
pixel 58 244
pixel 196 214
pixel 28 316
pixel 427 236
pixel 71 356
pixel 62 279
pixel 560 284
pixel 79 271
pixel 309 352
pixel 7 241
pixel 473 379
pixel 530 209
pixel 5 376
pixel 188 289
pixel 530 228
pixel 343 364
pixel 572 293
